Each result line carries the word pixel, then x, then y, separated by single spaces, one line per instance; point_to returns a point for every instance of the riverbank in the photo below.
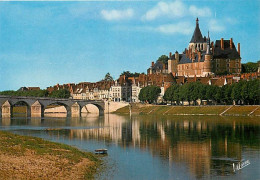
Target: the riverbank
pixel 24 157
pixel 228 110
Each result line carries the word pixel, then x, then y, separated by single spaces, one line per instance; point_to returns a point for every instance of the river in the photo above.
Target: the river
pixel 156 147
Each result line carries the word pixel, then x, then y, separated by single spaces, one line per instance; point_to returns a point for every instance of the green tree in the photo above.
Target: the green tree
pixel 62 93
pixel 149 94
pixel 250 67
pixel 217 96
pixel 172 94
pixel 227 91
pixel 236 93
pixel 108 77
pixel 34 93
pixel 254 91
pixel 129 74
pixel 163 58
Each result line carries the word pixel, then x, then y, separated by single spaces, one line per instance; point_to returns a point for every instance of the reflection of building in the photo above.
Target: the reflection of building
pixel 112 130
pixel 198 144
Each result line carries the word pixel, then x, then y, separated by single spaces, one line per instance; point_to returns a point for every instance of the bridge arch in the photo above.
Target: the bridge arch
pixel 21 103
pixel 67 108
pixel 99 107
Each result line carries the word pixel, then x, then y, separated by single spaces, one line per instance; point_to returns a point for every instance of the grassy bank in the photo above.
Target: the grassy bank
pixel 23 157
pixel 191 110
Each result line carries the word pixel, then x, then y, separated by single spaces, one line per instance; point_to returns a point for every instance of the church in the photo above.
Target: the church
pixel 202 58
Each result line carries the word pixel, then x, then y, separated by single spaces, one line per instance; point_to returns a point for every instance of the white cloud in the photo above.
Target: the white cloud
pixel 200 12
pixel 180 28
pixel 175 9
pixel 171 9
pixel 184 28
pixel 117 14
pixel 216 26
pixel 230 20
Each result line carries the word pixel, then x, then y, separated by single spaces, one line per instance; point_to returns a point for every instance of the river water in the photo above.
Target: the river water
pixel 156 147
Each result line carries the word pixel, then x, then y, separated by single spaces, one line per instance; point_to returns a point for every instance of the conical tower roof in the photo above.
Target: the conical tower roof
pixel 197 36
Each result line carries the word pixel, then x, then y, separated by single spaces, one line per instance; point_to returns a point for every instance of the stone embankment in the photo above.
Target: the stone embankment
pixel 218 110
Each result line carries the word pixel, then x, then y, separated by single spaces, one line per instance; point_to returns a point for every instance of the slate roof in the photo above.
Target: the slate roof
pixel 184 59
pixel 227 53
pixel 197 36
pixel 158 65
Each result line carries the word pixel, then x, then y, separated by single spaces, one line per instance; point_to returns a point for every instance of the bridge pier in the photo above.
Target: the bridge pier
pixel 68 112
pixel 7 109
pixel 37 110
pixel 75 110
pixel 28 111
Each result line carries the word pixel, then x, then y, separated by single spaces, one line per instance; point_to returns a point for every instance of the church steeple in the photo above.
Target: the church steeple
pixel 197 36
pixel 197 21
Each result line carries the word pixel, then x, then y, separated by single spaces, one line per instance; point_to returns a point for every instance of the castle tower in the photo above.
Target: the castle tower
pixel 207 69
pixel 197 41
pixel 173 63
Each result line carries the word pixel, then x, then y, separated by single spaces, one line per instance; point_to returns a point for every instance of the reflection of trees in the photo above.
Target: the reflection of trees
pixel 206 146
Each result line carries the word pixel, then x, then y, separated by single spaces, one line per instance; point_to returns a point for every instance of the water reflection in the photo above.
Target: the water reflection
pixel 205 146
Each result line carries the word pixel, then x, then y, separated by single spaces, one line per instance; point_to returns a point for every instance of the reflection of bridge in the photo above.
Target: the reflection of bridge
pixel 37 105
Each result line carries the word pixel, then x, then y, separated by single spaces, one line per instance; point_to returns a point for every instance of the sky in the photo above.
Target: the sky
pixel 44 43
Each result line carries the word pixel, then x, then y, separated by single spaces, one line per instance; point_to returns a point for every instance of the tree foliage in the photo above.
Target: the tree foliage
pixel 149 94
pixel 243 92
pixel 62 93
pixel 34 93
pixel 129 74
pixel 250 67
pixel 163 58
pixel 108 77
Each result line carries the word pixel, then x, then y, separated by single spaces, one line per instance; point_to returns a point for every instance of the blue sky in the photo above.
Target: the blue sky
pixel 45 43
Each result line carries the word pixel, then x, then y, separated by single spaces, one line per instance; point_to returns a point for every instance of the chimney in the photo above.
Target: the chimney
pixel 152 63
pixel 170 55
pixel 231 43
pixel 222 43
pixel 199 56
pixel 212 46
pixel 238 48
pixel 177 55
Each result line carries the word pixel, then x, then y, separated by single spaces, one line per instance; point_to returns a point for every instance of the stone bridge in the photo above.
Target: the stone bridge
pixel 37 105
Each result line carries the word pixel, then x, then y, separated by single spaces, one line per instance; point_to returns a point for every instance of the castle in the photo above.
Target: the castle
pixel 202 58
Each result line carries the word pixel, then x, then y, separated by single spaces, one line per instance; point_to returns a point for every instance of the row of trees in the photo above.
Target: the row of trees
pixel 63 93
pixel 250 67
pixel 149 94
pixel 243 92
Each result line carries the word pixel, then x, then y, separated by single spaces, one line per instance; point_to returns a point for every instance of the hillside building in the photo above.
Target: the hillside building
pixel 202 58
